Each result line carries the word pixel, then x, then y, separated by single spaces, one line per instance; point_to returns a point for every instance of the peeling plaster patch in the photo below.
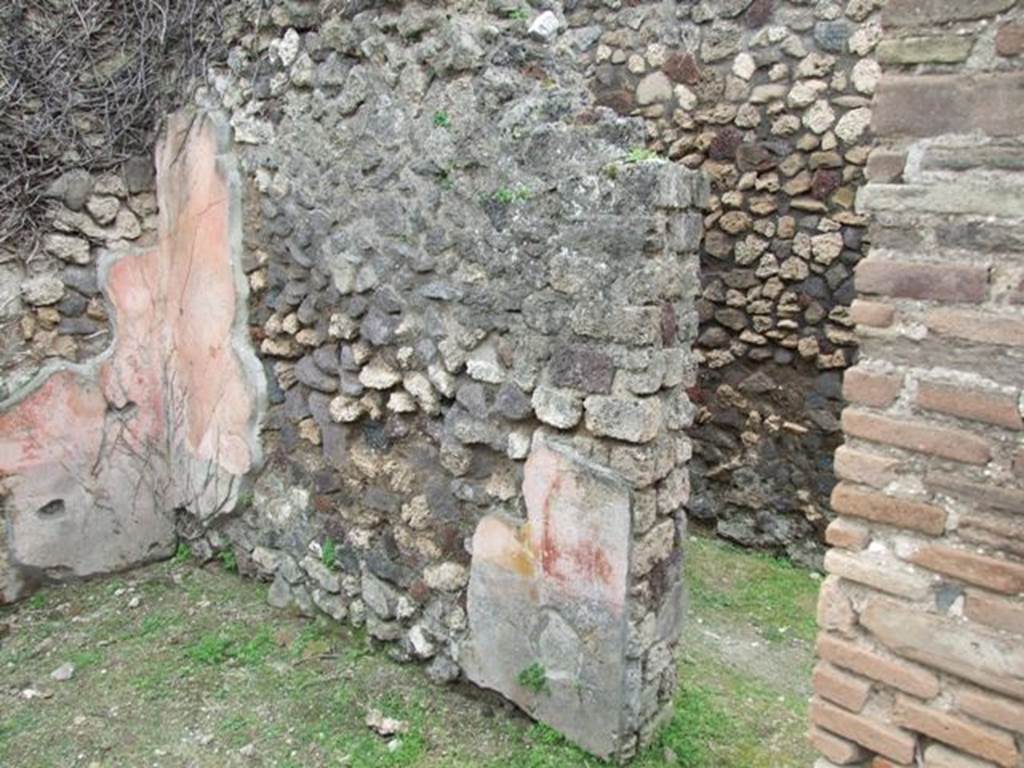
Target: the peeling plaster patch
pixel 551 595
pixel 97 458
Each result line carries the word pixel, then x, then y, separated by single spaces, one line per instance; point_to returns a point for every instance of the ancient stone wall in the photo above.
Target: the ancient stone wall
pixel 50 303
pixel 100 459
pixel 771 98
pixel 922 643
pixel 473 295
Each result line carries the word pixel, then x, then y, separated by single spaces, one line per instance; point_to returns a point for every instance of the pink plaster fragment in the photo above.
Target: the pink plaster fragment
pixel 95 460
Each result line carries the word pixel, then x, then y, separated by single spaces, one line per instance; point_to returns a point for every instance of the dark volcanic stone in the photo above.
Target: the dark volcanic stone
pixel 683 68
pixel 725 144
pixel 582 368
pixel 825 183
pixel 759 13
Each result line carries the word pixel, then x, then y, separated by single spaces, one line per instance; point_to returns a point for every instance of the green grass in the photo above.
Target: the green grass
pixel 203 655
pixel 771 594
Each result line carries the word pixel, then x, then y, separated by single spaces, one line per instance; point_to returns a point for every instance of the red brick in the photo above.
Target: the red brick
pixel 899 674
pixel 994 531
pixel 992 709
pixel 932 105
pixel 835 612
pixel 989 743
pixel 1018 462
pixel 873 571
pixel 919 436
pixel 837 750
pixel 974 404
pixel 872 313
pixel 988 496
pixel 875 389
pixel 847 534
pixel 1010 39
pixel 862 467
pixel 960 283
pixel 992 660
pixel 903 513
pixel 1000 330
pixel 873 734
pixel 912 13
pixel 842 688
pixel 995 611
pixel 996 575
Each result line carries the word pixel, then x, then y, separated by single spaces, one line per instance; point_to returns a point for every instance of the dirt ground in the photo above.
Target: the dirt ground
pixel 177 665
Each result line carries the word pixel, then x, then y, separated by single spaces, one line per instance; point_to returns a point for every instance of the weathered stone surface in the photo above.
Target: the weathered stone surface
pixel 635 420
pixel 908 13
pixel 551 597
pixel 1001 200
pixel 93 462
pixel 937 49
pixel 932 105
pixel 990 659
pixel 1010 39
pixel 42 290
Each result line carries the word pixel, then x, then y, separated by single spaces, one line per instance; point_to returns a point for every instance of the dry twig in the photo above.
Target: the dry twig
pixel 85 83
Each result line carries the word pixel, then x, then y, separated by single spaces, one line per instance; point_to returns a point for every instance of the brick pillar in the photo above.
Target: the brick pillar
pixel 921 651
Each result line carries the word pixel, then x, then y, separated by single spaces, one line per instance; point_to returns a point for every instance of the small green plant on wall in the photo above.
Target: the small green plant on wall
pixel 509 195
pixel 442 119
pixel 182 553
pixel 534 678
pixel 641 155
pixel 229 561
pixel 329 554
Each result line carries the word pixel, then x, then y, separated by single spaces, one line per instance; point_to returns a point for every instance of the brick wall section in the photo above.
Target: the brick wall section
pixel 922 614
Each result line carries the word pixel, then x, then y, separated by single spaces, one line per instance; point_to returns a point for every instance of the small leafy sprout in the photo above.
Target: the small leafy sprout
pixel 509 195
pixel 518 14
pixel 442 119
pixel 210 649
pixel 641 155
pixel 37 602
pixel 329 554
pixel 227 557
pixel 245 500
pixel 182 553
pixel 444 179
pixel 534 678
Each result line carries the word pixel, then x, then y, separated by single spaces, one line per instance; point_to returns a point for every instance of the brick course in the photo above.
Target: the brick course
pixel 920 280
pixel 989 743
pixel 916 435
pixel 874 389
pixel 966 403
pixel 994 574
pixel 868 732
pixel 901 675
pixel 851 500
